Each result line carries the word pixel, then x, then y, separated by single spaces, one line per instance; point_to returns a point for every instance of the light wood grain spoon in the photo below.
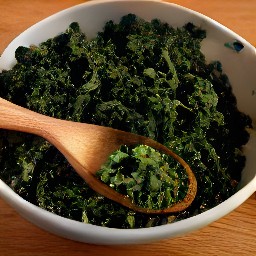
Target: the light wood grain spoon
pixel 87 147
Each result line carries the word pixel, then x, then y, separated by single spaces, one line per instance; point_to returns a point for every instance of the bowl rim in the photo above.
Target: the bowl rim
pixel 89 233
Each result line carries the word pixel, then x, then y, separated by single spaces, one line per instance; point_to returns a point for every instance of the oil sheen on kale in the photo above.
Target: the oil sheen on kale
pixel 143 77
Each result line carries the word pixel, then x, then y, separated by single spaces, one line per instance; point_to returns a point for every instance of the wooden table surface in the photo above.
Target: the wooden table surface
pixel 233 234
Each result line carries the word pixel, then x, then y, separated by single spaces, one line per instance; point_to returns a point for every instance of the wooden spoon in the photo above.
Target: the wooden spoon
pixel 87 147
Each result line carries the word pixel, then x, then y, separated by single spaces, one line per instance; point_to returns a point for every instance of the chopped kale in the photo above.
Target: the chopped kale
pixel 144 77
pixel 163 185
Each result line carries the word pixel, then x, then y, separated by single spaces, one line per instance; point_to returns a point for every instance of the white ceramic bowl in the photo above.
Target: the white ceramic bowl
pixel 240 68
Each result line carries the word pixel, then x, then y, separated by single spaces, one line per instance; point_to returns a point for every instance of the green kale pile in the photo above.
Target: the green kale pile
pixel 144 77
pixel 151 179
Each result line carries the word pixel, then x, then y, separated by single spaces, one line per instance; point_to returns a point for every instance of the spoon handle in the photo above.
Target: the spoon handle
pixel 14 117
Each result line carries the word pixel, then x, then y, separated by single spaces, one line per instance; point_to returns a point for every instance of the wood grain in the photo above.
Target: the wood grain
pixel 233 234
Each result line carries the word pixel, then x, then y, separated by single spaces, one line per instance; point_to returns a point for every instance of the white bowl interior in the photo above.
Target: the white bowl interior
pixel 238 66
